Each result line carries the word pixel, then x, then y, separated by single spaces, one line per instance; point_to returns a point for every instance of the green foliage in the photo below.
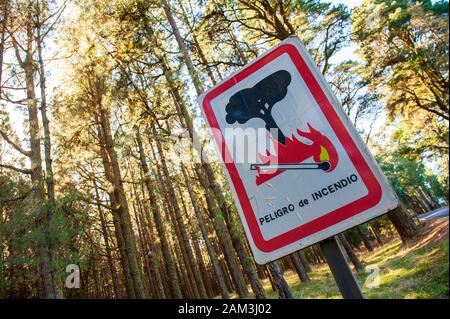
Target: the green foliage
pixel 407 175
pixel 19 233
pixel 445 245
pixel 404 45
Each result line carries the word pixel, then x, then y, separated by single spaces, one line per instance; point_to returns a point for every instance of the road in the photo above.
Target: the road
pixel 437 213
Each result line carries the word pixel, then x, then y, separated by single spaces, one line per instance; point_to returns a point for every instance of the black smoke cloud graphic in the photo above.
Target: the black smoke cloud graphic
pixel 258 101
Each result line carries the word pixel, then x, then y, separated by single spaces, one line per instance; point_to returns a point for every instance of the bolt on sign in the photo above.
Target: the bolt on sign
pixel 298 169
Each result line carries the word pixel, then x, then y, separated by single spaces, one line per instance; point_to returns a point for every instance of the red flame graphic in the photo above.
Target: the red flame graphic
pixel 295 151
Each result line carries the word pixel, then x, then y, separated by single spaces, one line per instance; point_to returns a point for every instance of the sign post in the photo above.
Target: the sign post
pixel 298 170
pixel 342 273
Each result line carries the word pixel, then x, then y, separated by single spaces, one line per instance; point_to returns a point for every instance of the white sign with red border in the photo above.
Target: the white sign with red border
pixel 312 177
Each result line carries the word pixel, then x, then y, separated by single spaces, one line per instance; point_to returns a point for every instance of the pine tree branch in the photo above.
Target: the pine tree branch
pixel 17 169
pixel 15 145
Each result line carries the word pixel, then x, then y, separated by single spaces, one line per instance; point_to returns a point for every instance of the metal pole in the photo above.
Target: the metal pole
pixel 342 273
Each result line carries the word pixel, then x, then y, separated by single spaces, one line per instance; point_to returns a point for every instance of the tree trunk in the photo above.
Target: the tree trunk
pixel 49 177
pixel 143 254
pixel 165 247
pixel 403 223
pixel 188 123
pixel 364 238
pixel 301 271
pixel 375 230
pixel 350 253
pixel 4 9
pixel 244 258
pixel 191 280
pixel 112 268
pixel 280 284
pixel 46 267
pixel 212 254
pixel 152 250
pixel 128 234
pixel 304 261
pixel 217 219
pixel 190 260
pixel 116 216
pixel 202 265
pixel 187 59
pixel 318 253
pixel 224 236
pixel 46 123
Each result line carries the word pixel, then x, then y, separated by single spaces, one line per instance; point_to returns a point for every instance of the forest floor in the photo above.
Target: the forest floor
pixel 416 270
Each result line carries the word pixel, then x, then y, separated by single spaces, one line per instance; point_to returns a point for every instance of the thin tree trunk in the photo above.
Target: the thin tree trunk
pixel 301 272
pixel 152 250
pixel 130 240
pixel 374 228
pixel 116 217
pixel 165 247
pixel 179 219
pixel 4 7
pixel 198 251
pixel 46 266
pixel 180 229
pixel 351 254
pixel 364 238
pixel 49 177
pixel 142 256
pixel 217 218
pixel 304 261
pixel 224 237
pixel 187 59
pixel 244 258
pixel 318 253
pixel 109 257
pixel 199 89
pixel 212 254
pixel 280 284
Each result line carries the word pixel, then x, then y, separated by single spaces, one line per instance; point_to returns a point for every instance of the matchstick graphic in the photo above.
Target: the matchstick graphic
pixel 269 168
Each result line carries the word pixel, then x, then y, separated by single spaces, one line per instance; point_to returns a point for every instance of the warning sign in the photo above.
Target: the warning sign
pixel 298 169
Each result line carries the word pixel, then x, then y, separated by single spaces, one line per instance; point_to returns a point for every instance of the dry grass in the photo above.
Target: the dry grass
pixel 416 270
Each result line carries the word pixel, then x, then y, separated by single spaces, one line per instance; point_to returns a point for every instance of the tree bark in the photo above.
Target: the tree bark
pixel 4 7
pixel 403 223
pixel 118 229
pixel 46 267
pixel 280 284
pixel 301 271
pixel 224 236
pixel 112 268
pixel 165 247
pixel 350 253
pixel 187 59
pixel 179 218
pixel 244 258
pixel 304 261
pixel 212 254
pixel 373 225
pixel 128 234
pixel 364 238
pixel 152 250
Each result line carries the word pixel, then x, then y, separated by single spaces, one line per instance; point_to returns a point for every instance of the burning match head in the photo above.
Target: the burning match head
pixel 325 166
